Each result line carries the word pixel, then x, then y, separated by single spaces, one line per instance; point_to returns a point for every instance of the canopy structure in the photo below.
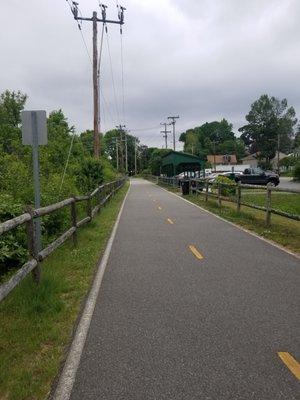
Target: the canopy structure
pixel 174 163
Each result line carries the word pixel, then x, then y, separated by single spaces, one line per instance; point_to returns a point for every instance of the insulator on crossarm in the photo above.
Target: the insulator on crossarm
pixel 103 8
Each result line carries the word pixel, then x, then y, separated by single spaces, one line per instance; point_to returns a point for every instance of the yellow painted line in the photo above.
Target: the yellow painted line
pixel 170 221
pixel 291 363
pixel 196 253
pixel 159 208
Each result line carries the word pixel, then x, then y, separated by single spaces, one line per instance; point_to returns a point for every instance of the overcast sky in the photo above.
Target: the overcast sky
pixel 202 59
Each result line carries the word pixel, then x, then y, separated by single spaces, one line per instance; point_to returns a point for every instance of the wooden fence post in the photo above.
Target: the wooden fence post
pixel 32 245
pixel 219 195
pixel 268 205
pixel 74 221
pixel 89 207
pixel 99 196
pixel 238 197
pixel 206 190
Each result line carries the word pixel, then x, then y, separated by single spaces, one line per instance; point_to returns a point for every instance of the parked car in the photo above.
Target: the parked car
pixel 256 176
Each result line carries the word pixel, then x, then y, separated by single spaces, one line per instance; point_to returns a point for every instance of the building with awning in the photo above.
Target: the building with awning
pixel 175 162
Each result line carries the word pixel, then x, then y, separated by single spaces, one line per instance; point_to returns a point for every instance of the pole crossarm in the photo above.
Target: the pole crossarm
pixel 105 21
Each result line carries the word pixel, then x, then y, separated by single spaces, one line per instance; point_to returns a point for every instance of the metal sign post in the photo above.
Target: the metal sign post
pixel 34 133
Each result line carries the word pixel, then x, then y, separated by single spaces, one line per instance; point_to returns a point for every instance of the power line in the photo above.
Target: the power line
pixel 145 129
pixel 112 76
pixel 122 73
pixel 66 165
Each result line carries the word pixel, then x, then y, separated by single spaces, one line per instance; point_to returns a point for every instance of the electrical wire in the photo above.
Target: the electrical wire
pixel 145 129
pixel 67 163
pixel 112 76
pixel 122 77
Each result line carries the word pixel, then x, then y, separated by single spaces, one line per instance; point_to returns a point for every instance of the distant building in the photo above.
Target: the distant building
pixel 226 159
pixel 253 159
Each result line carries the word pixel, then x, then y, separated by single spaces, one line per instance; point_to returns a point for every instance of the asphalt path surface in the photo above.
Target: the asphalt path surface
pixel 173 324
pixel 288 183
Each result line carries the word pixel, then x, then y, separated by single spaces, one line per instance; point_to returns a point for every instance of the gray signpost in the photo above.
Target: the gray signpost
pixel 34 133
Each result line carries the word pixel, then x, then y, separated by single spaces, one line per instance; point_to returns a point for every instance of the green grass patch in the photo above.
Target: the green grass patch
pixel 288 202
pixel 37 321
pixel 283 231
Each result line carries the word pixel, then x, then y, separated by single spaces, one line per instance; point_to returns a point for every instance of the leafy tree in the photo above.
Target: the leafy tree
pixel 297 171
pixel 212 138
pixel 269 118
pixel 296 144
pixel 155 161
pixel 11 105
pixel 87 139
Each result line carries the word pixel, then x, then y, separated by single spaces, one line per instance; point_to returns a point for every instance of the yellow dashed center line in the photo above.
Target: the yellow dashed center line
pixel 196 253
pixel 170 221
pixel 291 363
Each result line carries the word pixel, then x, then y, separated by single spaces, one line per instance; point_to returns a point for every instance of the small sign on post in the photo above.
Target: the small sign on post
pixel 34 133
pixel 34 124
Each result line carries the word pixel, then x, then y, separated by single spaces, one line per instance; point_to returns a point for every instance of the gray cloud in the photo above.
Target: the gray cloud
pixel 203 60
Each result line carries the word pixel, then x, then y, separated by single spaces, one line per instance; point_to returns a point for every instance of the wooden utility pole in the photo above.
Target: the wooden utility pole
pixel 121 129
pixel 126 152
pixel 135 157
pixel 174 136
pixel 96 88
pixel 117 154
pixel 96 85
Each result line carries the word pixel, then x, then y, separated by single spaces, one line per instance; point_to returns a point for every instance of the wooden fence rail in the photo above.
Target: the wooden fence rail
pixel 202 187
pixel 32 265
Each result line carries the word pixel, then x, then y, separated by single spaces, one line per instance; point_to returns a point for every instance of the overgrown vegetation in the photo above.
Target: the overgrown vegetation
pixel 83 174
pixel 37 321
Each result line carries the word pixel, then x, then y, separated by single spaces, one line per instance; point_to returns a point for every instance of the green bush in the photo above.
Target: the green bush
pixel 13 252
pixel 226 190
pixel 297 171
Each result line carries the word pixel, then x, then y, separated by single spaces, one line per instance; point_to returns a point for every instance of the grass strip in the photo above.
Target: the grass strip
pixel 283 231
pixel 37 322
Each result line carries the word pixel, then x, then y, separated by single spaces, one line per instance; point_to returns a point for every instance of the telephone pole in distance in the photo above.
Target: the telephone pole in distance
pixel 174 136
pixel 95 21
pixel 165 133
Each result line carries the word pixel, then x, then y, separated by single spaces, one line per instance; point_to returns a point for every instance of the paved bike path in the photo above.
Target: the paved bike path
pixel 168 325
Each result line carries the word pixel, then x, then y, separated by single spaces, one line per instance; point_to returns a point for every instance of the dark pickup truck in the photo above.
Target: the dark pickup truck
pixel 256 176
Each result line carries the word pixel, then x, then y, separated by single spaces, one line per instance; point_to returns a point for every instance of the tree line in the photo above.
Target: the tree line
pixel 271 125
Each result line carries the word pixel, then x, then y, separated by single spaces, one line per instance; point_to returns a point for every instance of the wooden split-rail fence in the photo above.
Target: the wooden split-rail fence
pixel 100 196
pixel 215 189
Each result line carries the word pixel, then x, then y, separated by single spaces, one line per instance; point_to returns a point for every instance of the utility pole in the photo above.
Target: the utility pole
pixel 95 88
pixel 96 79
pixel 214 142
pixel 126 153
pixel 135 157
pixel 165 133
pixel 117 153
pixel 173 123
